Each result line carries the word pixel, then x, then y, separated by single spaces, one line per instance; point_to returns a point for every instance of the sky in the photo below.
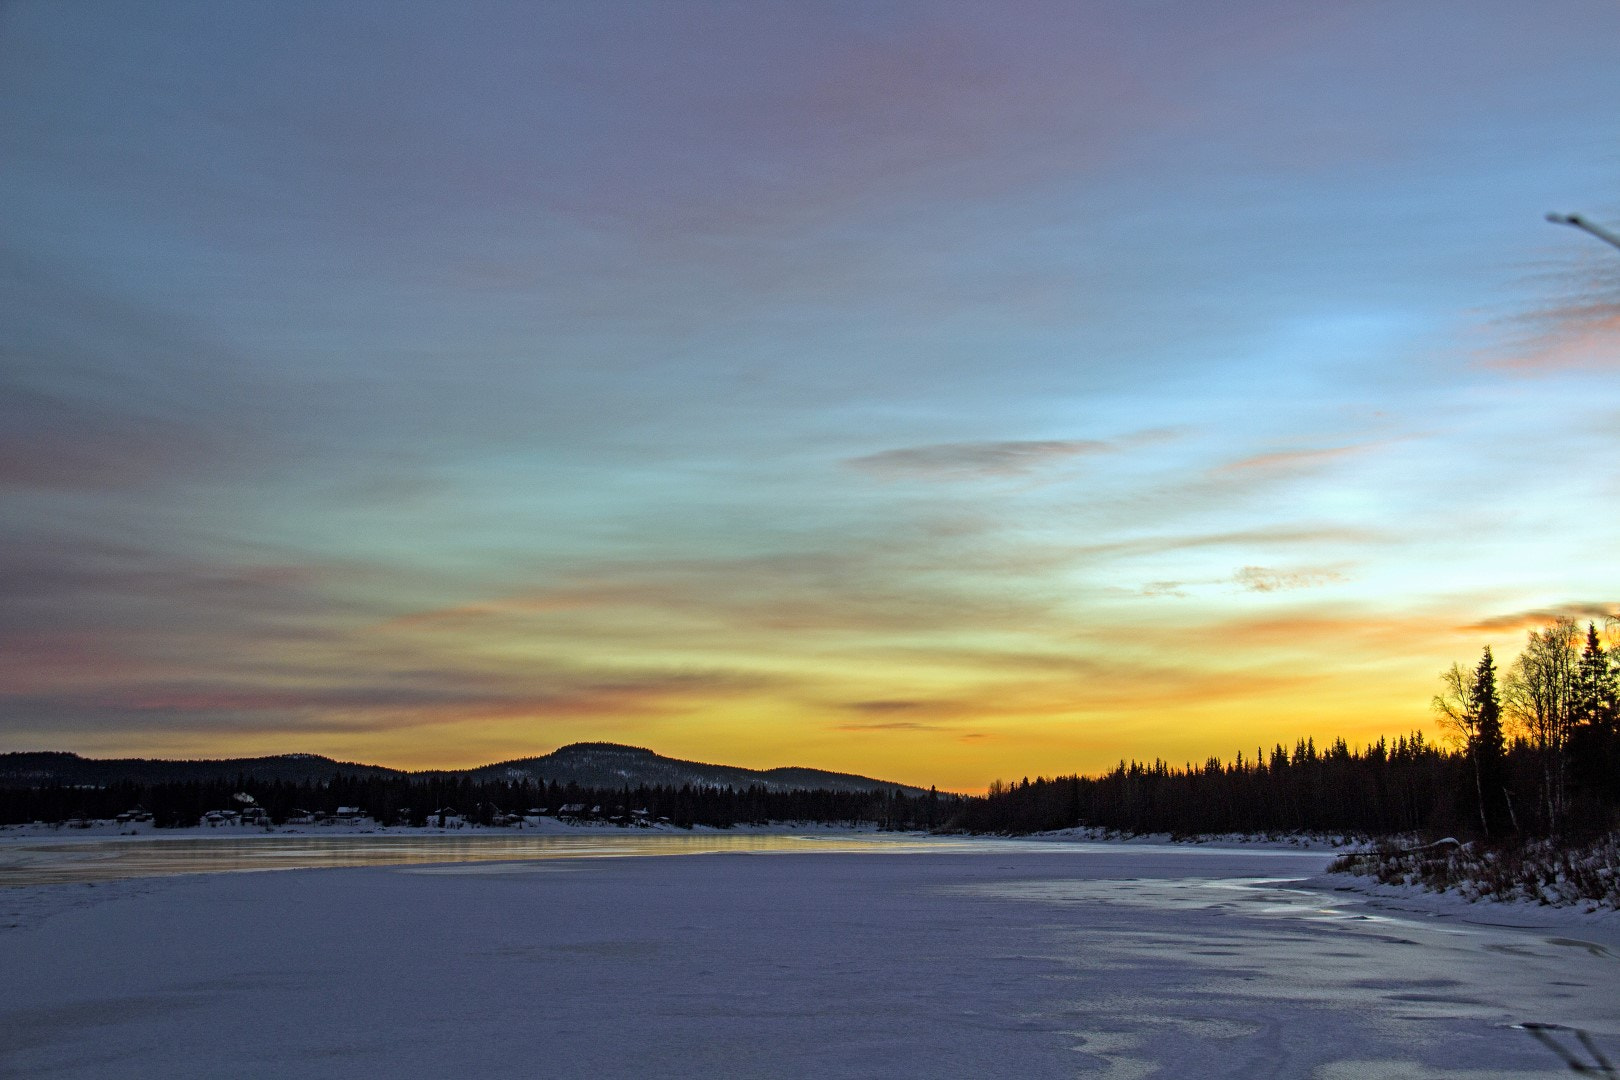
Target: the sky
pixel 942 392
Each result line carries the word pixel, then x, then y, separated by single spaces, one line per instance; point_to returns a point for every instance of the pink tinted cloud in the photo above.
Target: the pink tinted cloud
pixel 1581 611
pixel 1577 328
pixel 364 704
pixel 841 117
pixel 540 602
pixel 1287 460
pixel 1289 537
pixel 85 454
pixel 976 460
pixel 1587 340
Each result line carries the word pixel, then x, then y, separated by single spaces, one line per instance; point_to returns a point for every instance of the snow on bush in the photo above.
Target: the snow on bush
pixel 1540 871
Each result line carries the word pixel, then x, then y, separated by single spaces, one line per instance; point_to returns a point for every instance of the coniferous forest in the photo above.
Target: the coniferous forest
pixel 1532 751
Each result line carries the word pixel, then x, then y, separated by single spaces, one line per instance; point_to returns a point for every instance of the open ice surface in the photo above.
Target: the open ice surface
pixel 1045 960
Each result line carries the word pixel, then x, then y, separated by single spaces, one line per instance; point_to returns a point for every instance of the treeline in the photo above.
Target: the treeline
pixel 1536 754
pixel 1384 788
pixel 1559 703
pixel 411 801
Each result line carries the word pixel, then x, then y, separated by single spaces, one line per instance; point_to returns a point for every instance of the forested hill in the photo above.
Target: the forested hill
pixel 609 765
pixel 588 765
pixel 47 769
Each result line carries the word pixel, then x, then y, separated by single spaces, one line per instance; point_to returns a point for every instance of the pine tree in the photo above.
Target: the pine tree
pixel 1594 738
pixel 1489 749
pixel 1595 689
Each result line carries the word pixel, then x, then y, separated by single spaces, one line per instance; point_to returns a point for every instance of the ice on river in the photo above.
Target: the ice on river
pixel 1017 960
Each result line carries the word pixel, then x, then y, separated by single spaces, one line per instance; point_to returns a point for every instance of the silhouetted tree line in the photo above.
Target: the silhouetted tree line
pixel 412 801
pixel 1383 789
pixel 1559 775
pixel 1537 754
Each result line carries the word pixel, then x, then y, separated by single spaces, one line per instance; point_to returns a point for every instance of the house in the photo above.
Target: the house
pixel 445 817
pixel 133 816
pixel 343 815
pixel 215 818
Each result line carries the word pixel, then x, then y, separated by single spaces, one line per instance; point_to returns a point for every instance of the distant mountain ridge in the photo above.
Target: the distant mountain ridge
pixel 605 765
pixel 595 765
pixel 59 767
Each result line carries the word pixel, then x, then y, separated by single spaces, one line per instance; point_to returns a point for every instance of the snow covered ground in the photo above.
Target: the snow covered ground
pixel 1029 960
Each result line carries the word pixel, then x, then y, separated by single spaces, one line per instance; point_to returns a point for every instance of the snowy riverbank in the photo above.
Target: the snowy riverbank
pixel 1580 875
pixel 1273 841
pixel 1463 906
pixel 542 826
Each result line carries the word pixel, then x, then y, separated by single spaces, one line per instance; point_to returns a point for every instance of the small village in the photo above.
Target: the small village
pixel 248 816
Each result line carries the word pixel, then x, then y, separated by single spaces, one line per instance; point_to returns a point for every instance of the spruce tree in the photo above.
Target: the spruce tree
pixel 1489 750
pixel 1594 740
pixel 1595 691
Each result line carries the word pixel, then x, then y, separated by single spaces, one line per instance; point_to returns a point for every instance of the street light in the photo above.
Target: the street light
pixel 1585 226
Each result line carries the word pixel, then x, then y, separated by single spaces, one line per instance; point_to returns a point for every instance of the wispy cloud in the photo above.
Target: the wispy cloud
pixel 402 699
pixel 1580 329
pixel 852 590
pixel 1344 627
pixel 1264 579
pixel 887 705
pixel 1279 537
pixel 976 460
pixel 889 725
pixel 1288 460
pixel 51 442
pixel 1595 611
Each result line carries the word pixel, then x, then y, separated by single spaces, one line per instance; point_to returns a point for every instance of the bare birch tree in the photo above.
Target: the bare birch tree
pixel 1542 692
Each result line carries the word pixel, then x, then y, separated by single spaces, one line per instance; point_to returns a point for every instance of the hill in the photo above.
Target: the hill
pixel 610 765
pixel 591 765
pixel 42 769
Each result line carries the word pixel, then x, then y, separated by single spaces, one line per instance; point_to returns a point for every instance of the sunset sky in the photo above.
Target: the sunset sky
pixel 935 391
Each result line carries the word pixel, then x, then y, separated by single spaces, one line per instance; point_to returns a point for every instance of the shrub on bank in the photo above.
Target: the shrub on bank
pixel 1540 871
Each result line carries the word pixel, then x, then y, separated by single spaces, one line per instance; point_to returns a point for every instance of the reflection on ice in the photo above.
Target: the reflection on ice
pixel 115 859
pixel 1197 960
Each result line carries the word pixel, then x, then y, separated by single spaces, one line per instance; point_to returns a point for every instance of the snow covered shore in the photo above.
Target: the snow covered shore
pixel 1297 841
pixel 1585 876
pixel 1028 960
pixel 1418 901
pixel 543 826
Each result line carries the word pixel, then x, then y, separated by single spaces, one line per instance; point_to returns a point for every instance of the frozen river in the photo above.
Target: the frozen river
pixel 100 859
pixel 967 959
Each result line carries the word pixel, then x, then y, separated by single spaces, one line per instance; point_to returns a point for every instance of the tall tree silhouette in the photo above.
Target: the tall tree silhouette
pixel 1471 709
pixel 1490 750
pixel 1595 691
pixel 1542 692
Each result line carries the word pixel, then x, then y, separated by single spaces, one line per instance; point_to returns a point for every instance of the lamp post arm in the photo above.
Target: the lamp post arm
pixel 1585 226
